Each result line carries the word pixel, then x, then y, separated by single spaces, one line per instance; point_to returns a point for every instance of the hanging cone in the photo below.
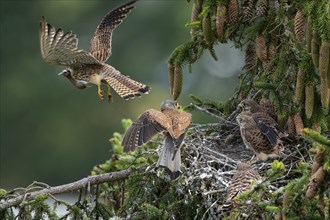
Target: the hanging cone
pixel 309 100
pixel 315 49
pixel 299 25
pixel 261 48
pixel 207 29
pixel 314 183
pixel 316 127
pixel 299 93
pixel 290 126
pixel 247 10
pixel 317 161
pixel 324 58
pixel 233 12
pixel 250 57
pixel 298 124
pixel 196 9
pixel 324 91
pixel 271 51
pixel 262 8
pixel 309 34
pixel 170 72
pixel 221 21
pixel 177 85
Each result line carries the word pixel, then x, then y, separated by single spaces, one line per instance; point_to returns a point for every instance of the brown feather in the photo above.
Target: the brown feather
pixel 100 44
pixel 261 134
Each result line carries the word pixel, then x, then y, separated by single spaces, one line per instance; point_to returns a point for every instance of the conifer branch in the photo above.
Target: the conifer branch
pixel 90 180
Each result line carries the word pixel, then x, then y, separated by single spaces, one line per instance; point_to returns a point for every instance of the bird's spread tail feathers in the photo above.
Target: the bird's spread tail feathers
pixel 123 85
pixel 170 158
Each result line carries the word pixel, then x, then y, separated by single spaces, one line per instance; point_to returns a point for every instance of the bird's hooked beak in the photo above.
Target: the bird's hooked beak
pixel 66 73
pixel 240 105
pixel 239 119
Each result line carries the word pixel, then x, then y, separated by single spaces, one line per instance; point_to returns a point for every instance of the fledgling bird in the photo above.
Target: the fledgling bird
pixel 266 106
pixel 262 134
pixel 241 182
pixel 60 48
pixel 168 120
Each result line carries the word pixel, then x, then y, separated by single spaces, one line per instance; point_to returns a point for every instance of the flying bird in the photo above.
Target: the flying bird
pixel 262 134
pixel 168 120
pixel 241 182
pixel 83 67
pixel 266 106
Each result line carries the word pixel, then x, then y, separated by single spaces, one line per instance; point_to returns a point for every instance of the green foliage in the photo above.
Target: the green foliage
pixel 316 137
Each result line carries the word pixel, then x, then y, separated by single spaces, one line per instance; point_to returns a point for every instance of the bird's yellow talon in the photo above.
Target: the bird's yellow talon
pixel 109 94
pixel 100 92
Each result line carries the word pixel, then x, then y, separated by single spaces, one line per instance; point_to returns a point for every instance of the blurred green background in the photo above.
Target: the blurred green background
pixel 55 133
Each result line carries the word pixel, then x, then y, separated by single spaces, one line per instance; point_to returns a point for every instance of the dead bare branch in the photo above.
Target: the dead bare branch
pixel 87 181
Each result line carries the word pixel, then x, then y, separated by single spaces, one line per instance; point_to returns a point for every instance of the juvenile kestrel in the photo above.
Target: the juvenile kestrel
pixel 241 182
pixel 60 48
pixel 170 121
pixel 266 106
pixel 261 133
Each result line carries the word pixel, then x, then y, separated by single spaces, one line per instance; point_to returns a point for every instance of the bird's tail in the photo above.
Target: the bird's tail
pixel 123 85
pixel 170 158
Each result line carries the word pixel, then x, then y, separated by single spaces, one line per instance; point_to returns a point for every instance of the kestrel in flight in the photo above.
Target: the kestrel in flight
pixel 262 134
pixel 60 48
pixel 241 182
pixel 170 121
pixel 266 106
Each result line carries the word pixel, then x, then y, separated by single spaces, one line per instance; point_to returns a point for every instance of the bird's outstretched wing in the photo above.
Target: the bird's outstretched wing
pixel 59 48
pixel 100 44
pixel 144 128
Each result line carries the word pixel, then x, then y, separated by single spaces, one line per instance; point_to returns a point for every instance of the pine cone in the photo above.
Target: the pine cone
pixel 298 124
pixel 274 5
pixel 309 100
pixel 233 12
pixel 221 21
pixel 262 8
pixel 299 93
pixel 324 91
pixel 328 76
pixel 194 17
pixel 290 126
pixel 271 52
pixel 207 29
pixel 170 72
pixel 261 47
pixel 177 85
pixel 317 161
pixel 299 25
pixel 315 49
pixel 317 127
pixel 314 183
pixel 247 10
pixel 309 34
pixel 250 57
pixel 324 58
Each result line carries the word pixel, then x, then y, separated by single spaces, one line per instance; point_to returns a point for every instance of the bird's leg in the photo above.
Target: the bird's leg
pixel 100 91
pixel 109 94
pixel 253 160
